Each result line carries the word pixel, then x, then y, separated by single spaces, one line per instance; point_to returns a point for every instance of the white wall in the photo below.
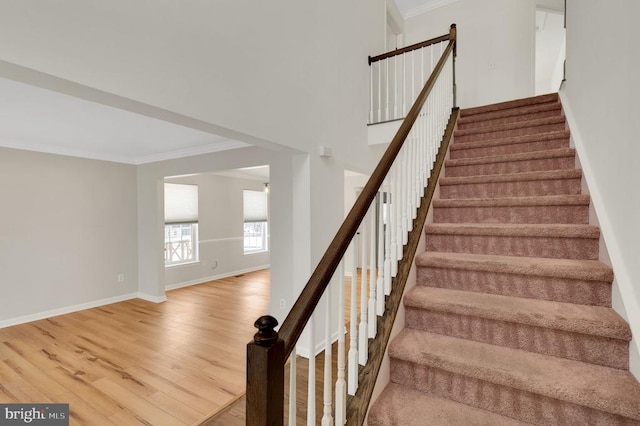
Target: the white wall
pixel 220 231
pixel 69 229
pixel 496 43
pixel 600 97
pixel 289 72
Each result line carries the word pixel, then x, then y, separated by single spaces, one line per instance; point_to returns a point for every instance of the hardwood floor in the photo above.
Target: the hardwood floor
pixel 234 413
pixel 137 362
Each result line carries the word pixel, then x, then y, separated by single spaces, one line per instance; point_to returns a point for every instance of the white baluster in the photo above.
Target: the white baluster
pixel 386 64
pixel 404 85
pixel 363 346
pixel 405 196
pixel 388 242
pixel 353 320
pixel 327 418
pixel 341 385
pixel 381 256
pixel 379 91
pixel 292 387
pixel 311 388
pixel 371 93
pixel 395 89
pixel 413 77
pixel 372 321
pixel 398 247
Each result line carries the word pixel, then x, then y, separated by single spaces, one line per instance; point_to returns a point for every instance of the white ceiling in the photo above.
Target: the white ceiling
pixel 42 120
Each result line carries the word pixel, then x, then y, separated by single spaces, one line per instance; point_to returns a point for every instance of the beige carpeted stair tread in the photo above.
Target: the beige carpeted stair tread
pixel 551 97
pixel 513 177
pixel 522 111
pixel 591 320
pixel 602 388
pixel 558 268
pixel 514 230
pixel 510 126
pixel 391 408
pixel 525 156
pixel 562 134
pixel 545 200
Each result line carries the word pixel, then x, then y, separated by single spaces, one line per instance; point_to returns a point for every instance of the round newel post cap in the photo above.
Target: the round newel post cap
pixel 266 334
pixel 453 26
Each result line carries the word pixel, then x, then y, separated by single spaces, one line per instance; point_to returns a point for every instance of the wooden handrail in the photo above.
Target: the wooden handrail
pixel 283 342
pixel 302 309
pixel 410 48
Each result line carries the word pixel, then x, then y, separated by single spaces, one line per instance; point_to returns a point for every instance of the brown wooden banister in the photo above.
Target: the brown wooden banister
pixel 264 401
pixel 410 48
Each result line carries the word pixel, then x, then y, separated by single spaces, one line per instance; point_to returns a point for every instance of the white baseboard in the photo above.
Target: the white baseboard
pixel 215 277
pixel 150 298
pixel 622 275
pixel 66 310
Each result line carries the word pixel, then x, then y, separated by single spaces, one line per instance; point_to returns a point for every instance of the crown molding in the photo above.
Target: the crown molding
pixel 427 7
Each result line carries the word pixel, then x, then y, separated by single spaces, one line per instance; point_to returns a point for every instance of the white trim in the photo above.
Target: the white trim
pixel 170 155
pixel 216 240
pixel 215 277
pixel 427 7
pixel 190 152
pixel 622 276
pixel 69 152
pixel 66 310
pixel 150 298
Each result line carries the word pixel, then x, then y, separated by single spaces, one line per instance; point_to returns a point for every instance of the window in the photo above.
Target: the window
pixel 180 243
pixel 180 224
pixel 255 221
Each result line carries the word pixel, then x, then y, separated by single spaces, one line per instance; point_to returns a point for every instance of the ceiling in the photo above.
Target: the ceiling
pixel 37 119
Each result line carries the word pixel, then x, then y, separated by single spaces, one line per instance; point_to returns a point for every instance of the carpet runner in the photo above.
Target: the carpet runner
pixel 510 322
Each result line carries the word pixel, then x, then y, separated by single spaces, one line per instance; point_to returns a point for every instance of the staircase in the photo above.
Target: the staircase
pixel 511 320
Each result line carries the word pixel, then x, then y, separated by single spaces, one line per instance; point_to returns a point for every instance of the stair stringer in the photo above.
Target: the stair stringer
pixel 625 300
pixel 384 375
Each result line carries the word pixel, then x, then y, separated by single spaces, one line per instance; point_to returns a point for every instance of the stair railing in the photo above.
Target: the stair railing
pixel 396 78
pixel 377 231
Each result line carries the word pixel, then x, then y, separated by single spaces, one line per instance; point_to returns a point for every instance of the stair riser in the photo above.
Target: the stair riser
pixel 515 214
pixel 516 148
pixel 534 165
pixel 582 292
pixel 499 134
pixel 576 346
pixel 512 189
pixel 507 401
pixel 510 105
pixel 466 125
pixel 549 247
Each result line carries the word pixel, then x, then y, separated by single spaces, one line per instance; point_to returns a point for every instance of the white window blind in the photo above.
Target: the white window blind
pixel 255 206
pixel 180 203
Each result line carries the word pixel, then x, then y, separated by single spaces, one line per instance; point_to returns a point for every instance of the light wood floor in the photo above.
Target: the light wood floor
pixel 136 362
pixel 234 413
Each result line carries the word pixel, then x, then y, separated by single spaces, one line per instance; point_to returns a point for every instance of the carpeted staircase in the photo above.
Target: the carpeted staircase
pixel 511 320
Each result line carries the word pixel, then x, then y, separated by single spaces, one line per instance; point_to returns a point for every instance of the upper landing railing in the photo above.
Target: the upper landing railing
pixel 382 229
pixel 396 77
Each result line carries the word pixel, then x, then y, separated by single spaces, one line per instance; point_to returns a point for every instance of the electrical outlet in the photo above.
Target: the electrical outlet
pixel 120 278
pixel 492 66
pixel 282 303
